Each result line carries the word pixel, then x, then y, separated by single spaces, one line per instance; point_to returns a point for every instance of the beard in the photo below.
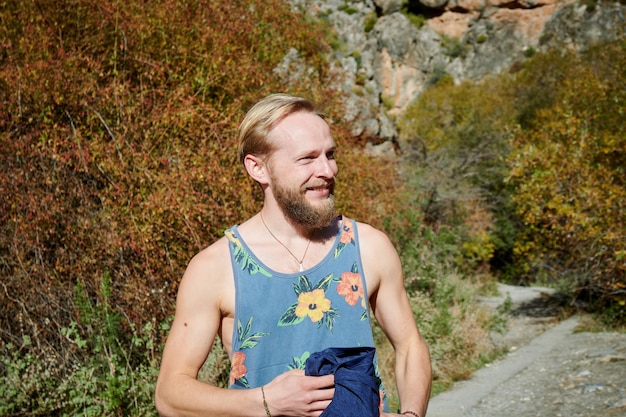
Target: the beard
pixel 302 212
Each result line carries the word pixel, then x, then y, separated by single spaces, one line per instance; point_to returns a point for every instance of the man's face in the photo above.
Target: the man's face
pixel 302 169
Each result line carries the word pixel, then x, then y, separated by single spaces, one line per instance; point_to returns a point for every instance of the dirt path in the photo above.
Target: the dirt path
pixel 550 369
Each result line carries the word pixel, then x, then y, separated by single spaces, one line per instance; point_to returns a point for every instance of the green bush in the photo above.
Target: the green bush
pixel 454 138
pixel 454 47
pixel 108 373
pixel 567 175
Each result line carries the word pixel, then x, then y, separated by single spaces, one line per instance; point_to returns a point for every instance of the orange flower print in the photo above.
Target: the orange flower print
pixel 313 304
pixel 350 287
pixel 238 370
pixel 347 234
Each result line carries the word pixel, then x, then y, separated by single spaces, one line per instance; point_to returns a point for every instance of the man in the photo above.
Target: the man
pixel 291 281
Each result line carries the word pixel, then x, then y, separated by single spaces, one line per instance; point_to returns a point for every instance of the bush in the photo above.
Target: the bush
pixel 454 138
pixel 118 154
pixel 117 378
pixel 567 172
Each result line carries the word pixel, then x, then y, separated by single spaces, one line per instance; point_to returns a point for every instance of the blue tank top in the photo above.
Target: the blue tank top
pixel 280 319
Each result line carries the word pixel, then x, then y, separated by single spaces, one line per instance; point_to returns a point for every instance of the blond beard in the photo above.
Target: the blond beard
pixel 300 211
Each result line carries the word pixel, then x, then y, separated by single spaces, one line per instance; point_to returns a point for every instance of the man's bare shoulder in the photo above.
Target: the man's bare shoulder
pixel 213 253
pixel 379 256
pixel 370 235
pixel 210 267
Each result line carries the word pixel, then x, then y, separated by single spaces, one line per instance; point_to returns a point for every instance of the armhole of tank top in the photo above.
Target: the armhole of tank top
pixel 235 272
pixel 360 265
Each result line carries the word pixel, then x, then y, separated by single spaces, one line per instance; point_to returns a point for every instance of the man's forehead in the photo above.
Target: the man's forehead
pixel 300 124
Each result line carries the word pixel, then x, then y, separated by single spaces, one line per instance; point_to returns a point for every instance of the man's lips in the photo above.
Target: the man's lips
pixel 320 187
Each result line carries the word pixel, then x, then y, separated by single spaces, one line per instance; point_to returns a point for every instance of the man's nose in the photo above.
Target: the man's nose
pixel 326 168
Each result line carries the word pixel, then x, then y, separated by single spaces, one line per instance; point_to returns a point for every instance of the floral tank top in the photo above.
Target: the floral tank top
pixel 280 319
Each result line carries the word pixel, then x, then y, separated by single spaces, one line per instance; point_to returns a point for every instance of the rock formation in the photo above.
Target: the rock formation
pixel 390 50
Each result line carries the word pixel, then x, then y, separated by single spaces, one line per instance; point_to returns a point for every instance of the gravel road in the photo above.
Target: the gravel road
pixel 551 368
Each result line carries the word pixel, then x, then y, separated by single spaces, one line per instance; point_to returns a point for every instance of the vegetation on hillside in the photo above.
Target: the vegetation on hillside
pixel 535 157
pixel 567 177
pixel 118 163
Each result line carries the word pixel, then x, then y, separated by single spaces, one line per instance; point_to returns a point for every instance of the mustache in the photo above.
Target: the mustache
pixel 330 183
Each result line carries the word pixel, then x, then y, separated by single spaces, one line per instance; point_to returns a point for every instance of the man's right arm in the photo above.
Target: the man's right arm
pixel 205 295
pixel 196 322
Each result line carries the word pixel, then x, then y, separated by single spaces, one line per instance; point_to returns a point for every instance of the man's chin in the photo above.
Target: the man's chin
pixel 317 219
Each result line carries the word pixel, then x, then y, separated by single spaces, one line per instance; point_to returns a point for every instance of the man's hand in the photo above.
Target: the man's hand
pixel 294 394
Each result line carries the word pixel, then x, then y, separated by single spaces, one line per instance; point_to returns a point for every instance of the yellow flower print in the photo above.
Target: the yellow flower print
pixel 350 287
pixel 313 304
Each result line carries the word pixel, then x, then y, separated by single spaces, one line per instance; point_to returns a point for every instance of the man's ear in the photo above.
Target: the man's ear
pixel 257 168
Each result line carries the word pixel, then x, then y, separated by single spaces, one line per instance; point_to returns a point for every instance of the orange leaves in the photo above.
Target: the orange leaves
pixel 118 144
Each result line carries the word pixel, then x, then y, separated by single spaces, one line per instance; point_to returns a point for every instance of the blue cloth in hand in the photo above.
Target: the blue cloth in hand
pixel 356 385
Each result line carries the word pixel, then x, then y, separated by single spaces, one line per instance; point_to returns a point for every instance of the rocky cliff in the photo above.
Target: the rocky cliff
pixel 388 51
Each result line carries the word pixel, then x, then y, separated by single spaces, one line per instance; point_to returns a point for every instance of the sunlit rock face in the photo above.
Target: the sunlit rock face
pixel 388 51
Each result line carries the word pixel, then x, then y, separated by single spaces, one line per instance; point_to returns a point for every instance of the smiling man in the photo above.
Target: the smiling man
pixel 290 291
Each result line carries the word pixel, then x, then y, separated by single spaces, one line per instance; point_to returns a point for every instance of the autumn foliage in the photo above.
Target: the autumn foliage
pixel 536 157
pixel 118 151
pixel 567 172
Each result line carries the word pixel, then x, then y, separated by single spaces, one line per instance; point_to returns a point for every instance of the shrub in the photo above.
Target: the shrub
pixel 118 154
pixel 453 47
pixel 573 212
pixel 454 138
pixel 118 378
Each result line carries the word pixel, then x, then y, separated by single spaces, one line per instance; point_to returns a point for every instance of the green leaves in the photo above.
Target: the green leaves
pixel 567 175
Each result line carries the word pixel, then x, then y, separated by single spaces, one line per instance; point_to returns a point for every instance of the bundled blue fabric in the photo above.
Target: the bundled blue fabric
pixel 356 385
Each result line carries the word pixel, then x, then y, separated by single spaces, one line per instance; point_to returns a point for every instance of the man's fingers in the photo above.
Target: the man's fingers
pixel 321 395
pixel 319 382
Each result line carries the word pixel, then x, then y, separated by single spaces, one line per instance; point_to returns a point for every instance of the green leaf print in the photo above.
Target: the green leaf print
pixel 243 258
pixel 339 249
pixel 302 285
pixel 299 363
pixel 329 319
pixel 289 317
pixel 243 382
pixel 324 283
pixel 248 341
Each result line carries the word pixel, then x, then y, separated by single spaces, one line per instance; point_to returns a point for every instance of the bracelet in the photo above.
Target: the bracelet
pixel 413 413
pixel 267 410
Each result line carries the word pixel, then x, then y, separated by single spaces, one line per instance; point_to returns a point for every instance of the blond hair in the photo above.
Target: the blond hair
pixel 263 116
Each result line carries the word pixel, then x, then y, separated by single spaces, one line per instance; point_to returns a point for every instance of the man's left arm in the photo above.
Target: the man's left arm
pixel 392 310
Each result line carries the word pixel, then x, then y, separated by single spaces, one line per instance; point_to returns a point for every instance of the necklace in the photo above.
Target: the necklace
pixel 284 246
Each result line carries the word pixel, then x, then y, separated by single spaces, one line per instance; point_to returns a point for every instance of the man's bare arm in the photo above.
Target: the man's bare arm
pixel 393 312
pixel 196 322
